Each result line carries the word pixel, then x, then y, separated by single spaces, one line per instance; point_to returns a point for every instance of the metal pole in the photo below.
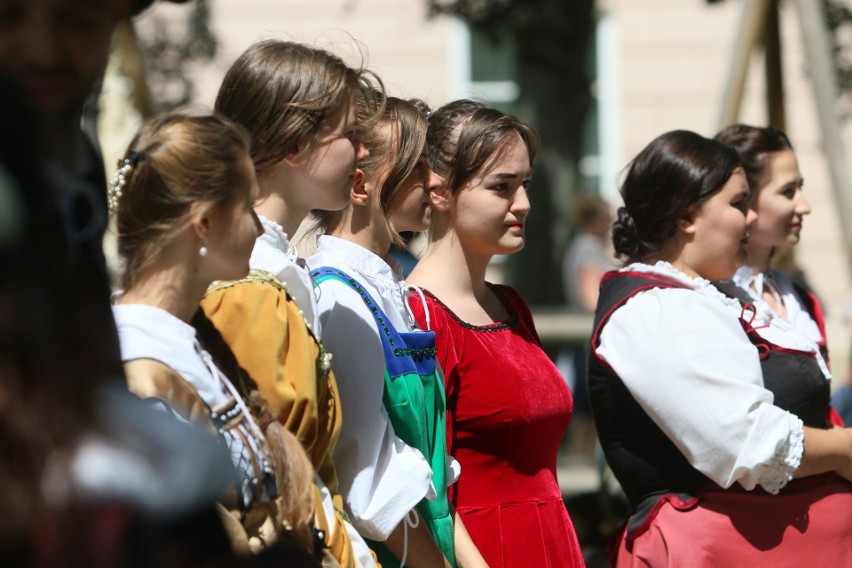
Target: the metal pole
pixel 749 34
pixel 818 53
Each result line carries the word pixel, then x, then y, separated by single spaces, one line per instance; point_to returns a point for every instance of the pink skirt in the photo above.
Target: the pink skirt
pixel 808 524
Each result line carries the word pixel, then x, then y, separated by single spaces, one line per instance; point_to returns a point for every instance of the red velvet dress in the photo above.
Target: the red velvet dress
pixel 507 408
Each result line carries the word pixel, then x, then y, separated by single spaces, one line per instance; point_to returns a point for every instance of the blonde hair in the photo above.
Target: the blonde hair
pixel 284 92
pixel 173 161
pixel 396 140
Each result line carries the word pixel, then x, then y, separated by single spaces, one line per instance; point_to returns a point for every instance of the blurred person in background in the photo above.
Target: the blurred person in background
pixel 587 258
pixel 58 50
pixel 89 475
pixel 589 255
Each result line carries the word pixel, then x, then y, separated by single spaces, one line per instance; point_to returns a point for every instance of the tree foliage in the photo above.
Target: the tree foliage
pixel 170 48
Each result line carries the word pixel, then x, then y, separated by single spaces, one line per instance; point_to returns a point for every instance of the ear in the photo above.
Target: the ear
pixel 360 193
pixel 440 198
pixel 297 156
pixel 686 224
pixel 199 214
pixel 293 159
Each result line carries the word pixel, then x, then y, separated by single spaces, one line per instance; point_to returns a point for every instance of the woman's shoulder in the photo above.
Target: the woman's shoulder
pixel 513 300
pixel 421 298
pixel 508 293
pixel 150 378
pixel 429 311
pixel 259 296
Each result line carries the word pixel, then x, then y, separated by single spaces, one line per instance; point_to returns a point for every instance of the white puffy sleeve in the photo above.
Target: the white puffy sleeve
pixel 380 477
pixel 686 360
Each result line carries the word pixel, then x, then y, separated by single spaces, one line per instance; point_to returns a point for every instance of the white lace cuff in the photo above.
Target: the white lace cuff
pixel 787 459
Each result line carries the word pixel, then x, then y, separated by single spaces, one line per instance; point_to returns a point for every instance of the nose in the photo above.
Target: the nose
pixel 751 217
pixel 361 152
pixel 803 206
pixel 433 181
pixel 521 203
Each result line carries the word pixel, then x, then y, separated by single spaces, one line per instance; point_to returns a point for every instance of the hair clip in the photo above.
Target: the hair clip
pixel 119 180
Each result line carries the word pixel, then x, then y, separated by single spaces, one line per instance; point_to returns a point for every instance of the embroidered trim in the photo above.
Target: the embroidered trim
pixel 323 363
pixel 496 326
pixel 417 354
pixel 255 275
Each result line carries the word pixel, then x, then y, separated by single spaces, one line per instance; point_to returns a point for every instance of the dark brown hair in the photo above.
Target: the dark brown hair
pixel 754 144
pixel 176 160
pixel 675 172
pixel 464 134
pixel 284 92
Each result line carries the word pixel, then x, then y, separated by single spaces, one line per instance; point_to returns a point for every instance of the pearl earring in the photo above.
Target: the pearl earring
pixel 203 250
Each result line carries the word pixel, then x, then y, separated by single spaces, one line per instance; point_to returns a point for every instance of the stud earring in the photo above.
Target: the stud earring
pixel 203 250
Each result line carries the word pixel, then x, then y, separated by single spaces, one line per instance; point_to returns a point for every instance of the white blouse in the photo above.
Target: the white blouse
pixel 779 285
pixel 274 254
pixel 685 358
pixel 148 332
pixel 381 477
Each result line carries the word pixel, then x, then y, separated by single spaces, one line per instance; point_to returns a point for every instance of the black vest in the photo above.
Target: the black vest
pixel 645 461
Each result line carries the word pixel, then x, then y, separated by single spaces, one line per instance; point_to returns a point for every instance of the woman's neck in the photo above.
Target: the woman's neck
pixel 759 257
pixel 276 203
pixel 276 208
pixel 359 227
pixel 168 287
pixel 448 270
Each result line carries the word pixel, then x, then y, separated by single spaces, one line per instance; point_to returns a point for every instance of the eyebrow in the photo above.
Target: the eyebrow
pixel 509 175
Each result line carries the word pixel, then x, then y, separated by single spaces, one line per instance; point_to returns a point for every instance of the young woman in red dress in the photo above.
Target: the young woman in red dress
pixel 507 404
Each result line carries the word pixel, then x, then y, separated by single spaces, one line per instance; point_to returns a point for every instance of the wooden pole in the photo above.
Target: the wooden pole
pixel 134 67
pixel 774 70
pixel 821 68
pixel 749 34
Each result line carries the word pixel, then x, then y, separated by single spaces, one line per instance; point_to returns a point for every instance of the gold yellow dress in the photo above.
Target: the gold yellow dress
pixel 274 345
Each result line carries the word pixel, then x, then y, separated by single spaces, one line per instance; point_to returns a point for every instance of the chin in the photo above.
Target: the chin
pixel 512 248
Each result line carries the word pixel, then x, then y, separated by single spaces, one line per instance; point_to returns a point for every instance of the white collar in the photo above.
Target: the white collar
pixel 364 261
pixel 763 316
pixel 274 236
pixel 148 332
pixel 697 283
